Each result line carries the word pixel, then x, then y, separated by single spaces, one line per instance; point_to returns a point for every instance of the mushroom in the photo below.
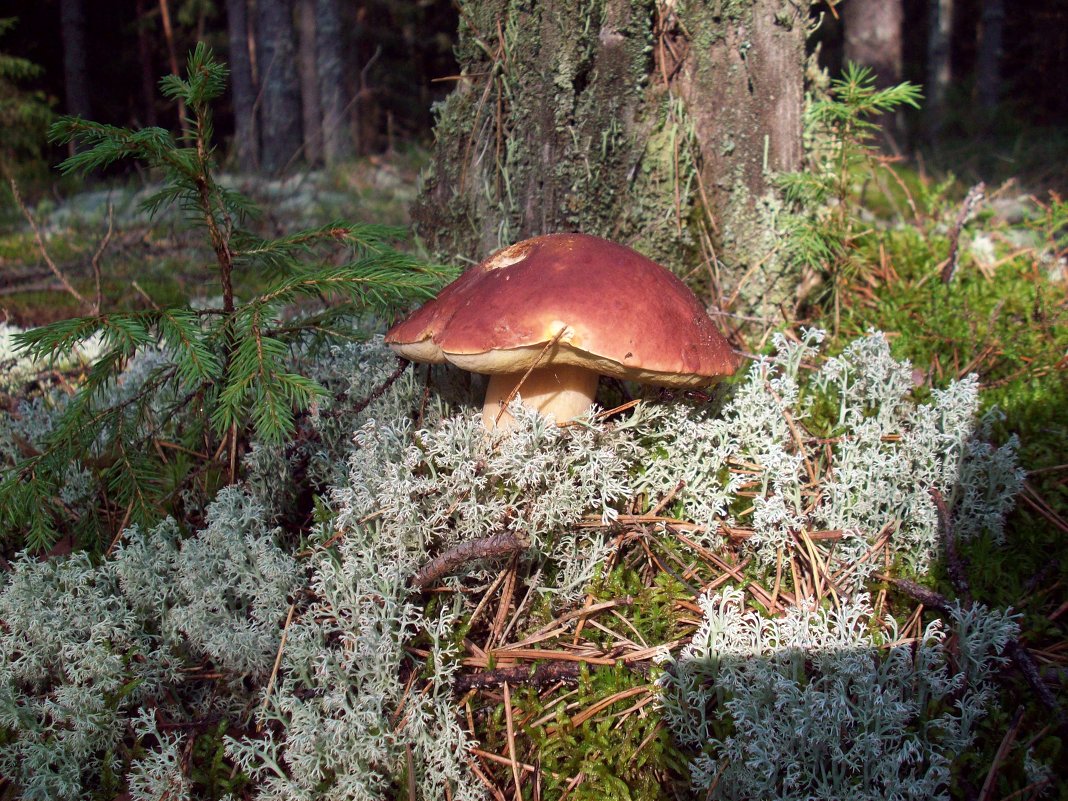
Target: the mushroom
pixel 551 314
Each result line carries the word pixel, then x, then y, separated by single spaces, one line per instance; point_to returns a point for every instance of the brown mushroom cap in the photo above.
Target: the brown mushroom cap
pixel 615 311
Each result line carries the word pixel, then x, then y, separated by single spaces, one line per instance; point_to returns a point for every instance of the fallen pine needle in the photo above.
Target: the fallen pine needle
pixel 510 724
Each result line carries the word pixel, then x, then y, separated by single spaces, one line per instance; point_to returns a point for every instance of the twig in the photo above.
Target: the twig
pixel 497 794
pixel 545 673
pixel 413 792
pixel 585 611
pixel 598 706
pixel 278 658
pixel 58 273
pixel 95 261
pixel 533 585
pixel 140 291
pixel 503 543
pixel 380 390
pixel 515 389
pixel 502 760
pixel 660 506
pixel 927 597
pixel 999 758
pixel 510 727
pixel 904 188
pixel 1026 664
pixel 1036 502
pixel 809 467
pixel 973 198
pixel 507 592
pixel 954 564
pixel 1019 654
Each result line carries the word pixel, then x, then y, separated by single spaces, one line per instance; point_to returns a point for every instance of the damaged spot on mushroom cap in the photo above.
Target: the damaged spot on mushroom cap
pixel 507 257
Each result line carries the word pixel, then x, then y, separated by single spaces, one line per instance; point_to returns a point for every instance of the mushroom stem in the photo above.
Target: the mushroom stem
pixel 560 390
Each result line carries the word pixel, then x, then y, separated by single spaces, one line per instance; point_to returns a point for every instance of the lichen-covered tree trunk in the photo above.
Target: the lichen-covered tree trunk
pixel 650 123
pixel 742 80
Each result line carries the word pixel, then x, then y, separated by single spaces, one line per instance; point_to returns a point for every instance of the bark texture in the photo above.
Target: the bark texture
pixel 546 130
pixel 873 31
pixel 630 119
pixel 742 80
pixel 280 104
pixel 333 96
pixel 246 139
pixel 75 64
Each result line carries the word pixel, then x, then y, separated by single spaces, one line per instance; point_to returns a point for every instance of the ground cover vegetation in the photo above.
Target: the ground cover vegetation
pixel 250 555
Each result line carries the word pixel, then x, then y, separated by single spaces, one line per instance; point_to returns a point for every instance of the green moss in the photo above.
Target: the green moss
pixel 559 131
pixel 619 754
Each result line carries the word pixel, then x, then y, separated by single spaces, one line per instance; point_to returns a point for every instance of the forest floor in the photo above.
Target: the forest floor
pixel 1003 315
pixel 144 260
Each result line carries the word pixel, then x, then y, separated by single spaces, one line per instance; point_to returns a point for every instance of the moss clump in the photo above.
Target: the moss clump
pixel 558 128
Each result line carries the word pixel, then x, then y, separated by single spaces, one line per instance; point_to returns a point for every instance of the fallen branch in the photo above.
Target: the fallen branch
pixel 1021 657
pixel 58 273
pixel 1027 666
pixel 967 209
pixel 918 592
pixel 503 543
pixel 958 573
pixel 544 673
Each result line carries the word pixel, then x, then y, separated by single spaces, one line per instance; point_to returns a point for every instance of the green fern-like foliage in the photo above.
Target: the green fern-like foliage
pixel 822 231
pixel 210 378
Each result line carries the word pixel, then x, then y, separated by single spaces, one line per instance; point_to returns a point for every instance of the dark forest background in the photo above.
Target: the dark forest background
pixel 993 81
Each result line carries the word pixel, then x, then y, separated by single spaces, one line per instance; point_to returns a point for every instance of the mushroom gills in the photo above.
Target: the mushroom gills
pixel 560 390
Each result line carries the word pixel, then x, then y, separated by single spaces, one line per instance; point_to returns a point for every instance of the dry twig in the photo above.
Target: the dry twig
pixel 503 543
pixel 39 239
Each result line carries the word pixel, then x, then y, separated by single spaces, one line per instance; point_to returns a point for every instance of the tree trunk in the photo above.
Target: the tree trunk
pixel 75 66
pixel 939 66
pixel 742 79
pixel 280 106
pixel 873 31
pixel 337 139
pixel 608 118
pixel 311 108
pixel 246 141
pixel 148 70
pixel 172 59
pixel 988 67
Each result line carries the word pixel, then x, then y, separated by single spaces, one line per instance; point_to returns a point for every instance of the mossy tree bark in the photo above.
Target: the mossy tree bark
pixel 742 76
pixel 655 124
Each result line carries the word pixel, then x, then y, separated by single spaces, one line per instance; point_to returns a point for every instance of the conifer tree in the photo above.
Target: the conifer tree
pixel 221 373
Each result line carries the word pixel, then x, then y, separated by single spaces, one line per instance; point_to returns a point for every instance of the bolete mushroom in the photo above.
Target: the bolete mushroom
pixel 553 313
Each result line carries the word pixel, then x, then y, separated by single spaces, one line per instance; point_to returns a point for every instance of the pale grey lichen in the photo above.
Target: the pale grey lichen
pixel 75 660
pixel 353 711
pixel 887 453
pixel 158 773
pixel 85 647
pixel 343 719
pixel 817 704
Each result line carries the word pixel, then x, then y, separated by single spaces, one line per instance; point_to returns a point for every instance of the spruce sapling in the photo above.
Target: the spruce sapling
pixel 223 371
